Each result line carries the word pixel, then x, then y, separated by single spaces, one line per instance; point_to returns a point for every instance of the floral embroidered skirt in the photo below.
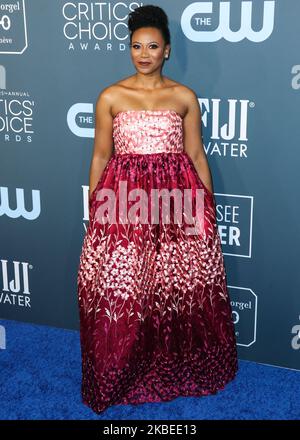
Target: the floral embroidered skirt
pixel 155 315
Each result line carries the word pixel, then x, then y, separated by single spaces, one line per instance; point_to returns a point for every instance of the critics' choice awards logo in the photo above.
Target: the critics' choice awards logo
pixel 19 203
pixel 96 25
pixel 210 21
pixel 15 283
pixel 16 112
pixel 244 314
pixel 225 122
pixel 234 218
pixel 13 30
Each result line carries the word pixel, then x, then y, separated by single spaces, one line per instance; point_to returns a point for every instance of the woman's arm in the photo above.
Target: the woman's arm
pixel 193 138
pixel 103 141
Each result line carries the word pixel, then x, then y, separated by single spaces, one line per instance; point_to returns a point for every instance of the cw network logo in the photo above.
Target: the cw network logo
pixel 200 14
pixel 80 119
pixel 20 210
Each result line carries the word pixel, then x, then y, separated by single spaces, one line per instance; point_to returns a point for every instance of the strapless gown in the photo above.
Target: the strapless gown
pixel 155 315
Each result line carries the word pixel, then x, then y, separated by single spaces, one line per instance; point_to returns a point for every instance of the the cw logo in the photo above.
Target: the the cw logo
pixel 223 30
pixel 20 210
pixel 81 112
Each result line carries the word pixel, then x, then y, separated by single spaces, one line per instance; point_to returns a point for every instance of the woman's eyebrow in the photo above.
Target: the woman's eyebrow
pixel 148 43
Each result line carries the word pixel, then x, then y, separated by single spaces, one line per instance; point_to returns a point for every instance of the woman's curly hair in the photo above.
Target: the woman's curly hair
pixel 149 16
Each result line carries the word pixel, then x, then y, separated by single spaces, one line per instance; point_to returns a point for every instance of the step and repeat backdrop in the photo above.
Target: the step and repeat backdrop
pixel 242 60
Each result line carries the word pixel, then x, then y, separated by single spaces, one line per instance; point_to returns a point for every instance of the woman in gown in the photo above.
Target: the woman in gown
pixel 155 315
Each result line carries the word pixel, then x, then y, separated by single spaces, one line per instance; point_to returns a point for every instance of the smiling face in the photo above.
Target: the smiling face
pixel 148 46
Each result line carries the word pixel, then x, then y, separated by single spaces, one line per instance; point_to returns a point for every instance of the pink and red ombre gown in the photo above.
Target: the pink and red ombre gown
pixel 155 315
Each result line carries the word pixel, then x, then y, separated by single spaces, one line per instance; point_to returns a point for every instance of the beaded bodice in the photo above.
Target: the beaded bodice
pixel 148 131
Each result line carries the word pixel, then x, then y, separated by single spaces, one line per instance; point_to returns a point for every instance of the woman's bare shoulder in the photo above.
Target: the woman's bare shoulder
pixel 188 95
pixel 126 82
pixel 171 82
pixel 110 89
pixel 185 91
pixel 112 92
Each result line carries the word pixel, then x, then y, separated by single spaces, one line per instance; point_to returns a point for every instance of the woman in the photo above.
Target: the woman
pixel 155 315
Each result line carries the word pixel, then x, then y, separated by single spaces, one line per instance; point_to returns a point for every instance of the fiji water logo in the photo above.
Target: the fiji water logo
pixel 200 14
pixel 226 122
pixel 15 289
pixel 295 342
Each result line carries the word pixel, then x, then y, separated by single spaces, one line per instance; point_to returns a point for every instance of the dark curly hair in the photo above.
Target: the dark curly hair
pixel 149 16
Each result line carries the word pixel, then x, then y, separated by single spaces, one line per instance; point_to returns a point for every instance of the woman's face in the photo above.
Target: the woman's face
pixel 148 46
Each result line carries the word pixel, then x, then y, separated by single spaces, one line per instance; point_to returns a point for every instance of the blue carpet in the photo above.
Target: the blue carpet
pixel 41 374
